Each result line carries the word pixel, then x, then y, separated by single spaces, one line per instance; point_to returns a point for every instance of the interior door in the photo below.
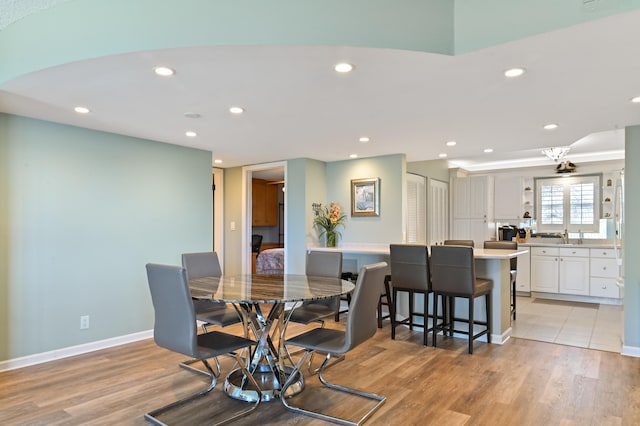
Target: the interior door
pixel 437 211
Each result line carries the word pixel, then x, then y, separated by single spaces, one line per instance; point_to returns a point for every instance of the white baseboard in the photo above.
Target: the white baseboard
pixel 34 359
pixel 633 351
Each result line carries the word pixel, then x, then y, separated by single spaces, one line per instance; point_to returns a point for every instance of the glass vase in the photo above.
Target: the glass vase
pixel 332 238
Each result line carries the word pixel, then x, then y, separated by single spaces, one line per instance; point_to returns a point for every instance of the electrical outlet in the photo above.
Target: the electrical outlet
pixel 84 322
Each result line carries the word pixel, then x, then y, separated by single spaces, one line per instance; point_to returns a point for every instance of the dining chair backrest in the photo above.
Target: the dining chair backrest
pixel 362 319
pixel 410 266
pixel 452 269
pixel 175 326
pixel 199 265
pixel 324 263
pixel 468 243
pixel 256 243
pixel 504 245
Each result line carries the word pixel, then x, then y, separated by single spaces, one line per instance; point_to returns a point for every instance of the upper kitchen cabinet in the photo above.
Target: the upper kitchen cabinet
pixel 508 198
pixel 264 203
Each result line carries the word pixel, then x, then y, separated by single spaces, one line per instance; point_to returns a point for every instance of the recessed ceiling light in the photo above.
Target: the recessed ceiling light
pixel 236 110
pixel 343 67
pixel 217 161
pixel 82 110
pixel 443 155
pixel 514 72
pixel 192 115
pixel 353 156
pixel 550 126
pixel 488 150
pixel 164 71
pixel 191 134
pixel 636 100
pixel 364 139
pixel 451 143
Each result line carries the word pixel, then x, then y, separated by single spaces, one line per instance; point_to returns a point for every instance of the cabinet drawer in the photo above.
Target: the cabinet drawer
pixel 604 287
pixel 607 253
pixel 604 268
pixel 572 251
pixel 545 251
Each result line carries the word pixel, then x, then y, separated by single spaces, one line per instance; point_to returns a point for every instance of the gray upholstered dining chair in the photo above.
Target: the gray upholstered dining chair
pixel 207 264
pixel 513 270
pixel 453 275
pixel 175 329
pixel 410 274
pixel 361 325
pixel 321 264
pixel 468 243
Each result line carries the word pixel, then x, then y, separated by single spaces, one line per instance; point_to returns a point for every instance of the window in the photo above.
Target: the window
pixel 570 203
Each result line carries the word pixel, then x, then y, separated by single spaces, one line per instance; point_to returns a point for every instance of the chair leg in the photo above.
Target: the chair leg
pixel 426 317
pixel 381 399
pixel 489 313
pixel 513 299
pixel 152 415
pixel 410 309
pixel 393 315
pixel 188 366
pixel 471 318
pixel 435 317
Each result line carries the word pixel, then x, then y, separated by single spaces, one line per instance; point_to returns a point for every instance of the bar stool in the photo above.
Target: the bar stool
pixel 453 275
pixel 410 274
pixel 508 245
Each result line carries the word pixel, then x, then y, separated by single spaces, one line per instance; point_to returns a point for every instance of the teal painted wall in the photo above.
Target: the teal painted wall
pixel 83 212
pixel 632 238
pixel 83 29
pixel 386 228
pixel 482 23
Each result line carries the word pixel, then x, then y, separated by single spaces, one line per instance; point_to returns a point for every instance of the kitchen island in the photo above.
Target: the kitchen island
pixel 490 263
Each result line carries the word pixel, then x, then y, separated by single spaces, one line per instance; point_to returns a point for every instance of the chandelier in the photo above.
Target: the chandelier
pixel 556 153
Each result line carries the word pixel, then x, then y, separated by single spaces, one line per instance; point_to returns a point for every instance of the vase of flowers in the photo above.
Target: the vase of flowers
pixel 328 220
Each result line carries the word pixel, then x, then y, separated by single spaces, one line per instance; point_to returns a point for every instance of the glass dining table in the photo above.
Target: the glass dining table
pixel 269 363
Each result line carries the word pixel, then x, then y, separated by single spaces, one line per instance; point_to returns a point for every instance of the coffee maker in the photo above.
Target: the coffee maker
pixel 507 233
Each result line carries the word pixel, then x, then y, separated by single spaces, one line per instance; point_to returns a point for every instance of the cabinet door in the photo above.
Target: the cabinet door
pixel 544 274
pixel 507 197
pixel 574 275
pixel 460 229
pixel 264 199
pixel 523 278
pixel 461 197
pixel 478 197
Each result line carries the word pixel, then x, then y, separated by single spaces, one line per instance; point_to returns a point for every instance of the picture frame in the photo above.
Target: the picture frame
pixel 365 197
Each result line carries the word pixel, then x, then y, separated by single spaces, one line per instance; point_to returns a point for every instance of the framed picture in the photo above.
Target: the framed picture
pixel 365 197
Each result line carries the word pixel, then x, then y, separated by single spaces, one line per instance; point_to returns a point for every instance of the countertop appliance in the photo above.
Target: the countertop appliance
pixel 507 233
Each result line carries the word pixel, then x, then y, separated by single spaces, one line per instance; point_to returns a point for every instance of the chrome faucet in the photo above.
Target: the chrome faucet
pixel 565 237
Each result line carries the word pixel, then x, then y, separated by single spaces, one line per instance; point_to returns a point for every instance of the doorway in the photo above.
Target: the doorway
pixel 272 178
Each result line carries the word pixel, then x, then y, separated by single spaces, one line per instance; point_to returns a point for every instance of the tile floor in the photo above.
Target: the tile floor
pixel 587 325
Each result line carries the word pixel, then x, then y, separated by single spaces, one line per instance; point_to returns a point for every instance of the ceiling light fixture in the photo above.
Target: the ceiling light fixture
pixel 364 139
pixel 556 153
pixel 236 110
pixel 488 150
pixel 192 115
pixel 164 71
pixel 353 156
pixel 514 72
pixel 191 134
pixel 343 67
pixel 82 110
pixel 451 143
pixel 217 161
pixel 550 126
pixel 636 100
pixel 443 155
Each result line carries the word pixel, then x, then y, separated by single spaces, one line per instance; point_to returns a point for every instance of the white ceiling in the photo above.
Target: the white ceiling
pixel 580 77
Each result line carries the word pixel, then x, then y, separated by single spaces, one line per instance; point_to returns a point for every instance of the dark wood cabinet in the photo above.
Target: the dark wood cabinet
pixel 265 203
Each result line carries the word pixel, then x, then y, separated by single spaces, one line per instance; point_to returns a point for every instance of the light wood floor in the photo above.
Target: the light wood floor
pixel 523 382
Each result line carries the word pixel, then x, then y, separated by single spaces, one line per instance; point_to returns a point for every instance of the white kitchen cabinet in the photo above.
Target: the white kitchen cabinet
pixel 523 278
pixel 544 269
pixel 603 273
pixel 508 198
pixel 573 271
pixel 473 209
